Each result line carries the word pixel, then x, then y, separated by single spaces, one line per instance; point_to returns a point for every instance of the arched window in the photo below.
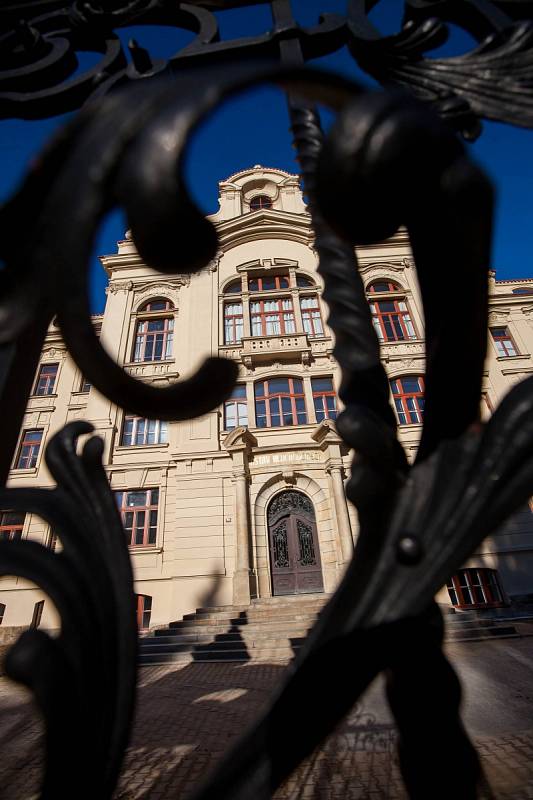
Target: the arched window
pixel 390 316
pixel 279 401
pixel 234 287
pixel 408 396
pixel 475 588
pixel 304 282
pixel 260 201
pixel 154 332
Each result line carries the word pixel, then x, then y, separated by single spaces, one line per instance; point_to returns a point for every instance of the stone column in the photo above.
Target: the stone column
pixel 241 576
pixel 334 448
pixel 341 512
pixel 238 443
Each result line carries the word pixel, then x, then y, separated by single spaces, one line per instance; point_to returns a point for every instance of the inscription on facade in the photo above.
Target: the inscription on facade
pixel 284 458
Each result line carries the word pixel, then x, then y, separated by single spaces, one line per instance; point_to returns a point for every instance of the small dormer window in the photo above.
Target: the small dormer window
pixel 260 201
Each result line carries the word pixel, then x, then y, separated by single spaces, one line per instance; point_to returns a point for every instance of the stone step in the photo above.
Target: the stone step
pixel 474 634
pixel 227 622
pixel 227 644
pixel 259 632
pixel 252 615
pixel 257 654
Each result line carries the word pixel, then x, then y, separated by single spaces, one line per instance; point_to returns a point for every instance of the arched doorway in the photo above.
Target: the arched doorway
pixel 293 543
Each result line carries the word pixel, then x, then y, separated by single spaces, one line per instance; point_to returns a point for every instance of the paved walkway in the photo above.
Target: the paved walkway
pixel 187 717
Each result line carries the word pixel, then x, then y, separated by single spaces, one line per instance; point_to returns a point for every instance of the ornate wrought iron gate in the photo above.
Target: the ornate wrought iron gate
pixel 419 522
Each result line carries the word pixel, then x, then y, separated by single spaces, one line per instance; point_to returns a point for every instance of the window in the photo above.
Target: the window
pixel 272 317
pixel 29 449
pixel 154 335
pixel 234 287
pixel 279 401
pixel 85 386
pixel 233 323
pixel 408 396
pixel 268 283
pixel 312 321
pixel 474 588
pixel 260 201
pixel 391 318
pixel 324 399
pixel 304 282
pixel 503 342
pixel 144 611
pixel 139 515
pixel 37 614
pixel 2 612
pixel 138 431
pixel 236 409
pixel 46 379
pixel 11 525
pixel 523 290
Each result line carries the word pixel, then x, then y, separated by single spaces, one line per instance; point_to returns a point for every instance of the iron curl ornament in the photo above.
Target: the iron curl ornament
pixel 418 522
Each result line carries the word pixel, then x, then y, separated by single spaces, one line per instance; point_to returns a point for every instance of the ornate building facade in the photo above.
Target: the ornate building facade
pixel 248 500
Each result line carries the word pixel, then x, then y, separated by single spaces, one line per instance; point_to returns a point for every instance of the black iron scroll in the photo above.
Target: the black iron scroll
pixel 419 522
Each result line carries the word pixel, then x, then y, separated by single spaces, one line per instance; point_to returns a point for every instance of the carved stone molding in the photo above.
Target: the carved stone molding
pixel 119 286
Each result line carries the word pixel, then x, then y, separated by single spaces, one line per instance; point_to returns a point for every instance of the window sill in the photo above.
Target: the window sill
pixel 144 548
pixel 125 448
pixel 150 363
pixel 24 471
pixel 518 357
pixel 43 396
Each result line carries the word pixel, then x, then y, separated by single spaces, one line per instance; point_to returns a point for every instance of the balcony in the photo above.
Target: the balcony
pixel 256 349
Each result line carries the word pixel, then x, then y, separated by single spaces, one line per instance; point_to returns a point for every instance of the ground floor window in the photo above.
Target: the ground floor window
pixel 37 614
pixel 144 611
pixel 475 588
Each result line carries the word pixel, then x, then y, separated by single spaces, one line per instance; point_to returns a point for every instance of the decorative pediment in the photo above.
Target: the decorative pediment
pixel 240 439
pixel 326 433
pixel 266 264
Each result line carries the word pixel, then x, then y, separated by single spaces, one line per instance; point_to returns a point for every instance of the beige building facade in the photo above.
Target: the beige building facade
pixel 248 501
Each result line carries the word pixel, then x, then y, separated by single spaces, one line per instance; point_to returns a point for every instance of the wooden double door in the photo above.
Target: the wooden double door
pixel 294 552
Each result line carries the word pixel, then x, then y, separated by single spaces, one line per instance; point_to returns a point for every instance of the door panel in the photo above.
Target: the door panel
pixel 294 550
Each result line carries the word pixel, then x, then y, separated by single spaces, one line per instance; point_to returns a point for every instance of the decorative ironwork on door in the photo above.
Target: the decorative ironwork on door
pixel 294 550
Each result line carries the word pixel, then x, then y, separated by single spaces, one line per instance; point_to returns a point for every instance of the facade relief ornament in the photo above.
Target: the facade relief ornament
pixel 119 286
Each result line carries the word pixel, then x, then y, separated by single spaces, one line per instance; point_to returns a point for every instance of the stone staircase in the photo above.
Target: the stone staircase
pixel 272 629
pixel 470 626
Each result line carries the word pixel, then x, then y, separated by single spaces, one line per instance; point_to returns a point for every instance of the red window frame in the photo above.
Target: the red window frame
pixel 260 201
pixel 311 316
pixel 263 320
pixel 391 286
pixel 324 400
pixel 276 406
pixel 46 379
pixel 504 342
pixel 139 519
pixel 475 587
pixel 256 284
pixel 144 611
pixel 409 404
pixel 29 448
pixel 233 322
pixel 11 525
pixel 154 334
pixel 2 612
pixel 236 408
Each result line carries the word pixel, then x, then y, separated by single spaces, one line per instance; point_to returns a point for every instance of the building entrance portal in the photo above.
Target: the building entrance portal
pixel 293 541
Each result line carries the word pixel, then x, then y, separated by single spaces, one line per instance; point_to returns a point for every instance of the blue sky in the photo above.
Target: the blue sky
pixel 237 137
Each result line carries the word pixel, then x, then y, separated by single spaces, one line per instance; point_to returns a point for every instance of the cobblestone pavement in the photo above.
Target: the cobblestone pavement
pixel 187 717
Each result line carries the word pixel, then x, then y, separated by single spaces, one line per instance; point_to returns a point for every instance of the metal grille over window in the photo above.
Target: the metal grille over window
pixel 305 544
pixel 279 401
pixel 139 515
pixel 408 396
pixel 281 546
pixel 141 431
